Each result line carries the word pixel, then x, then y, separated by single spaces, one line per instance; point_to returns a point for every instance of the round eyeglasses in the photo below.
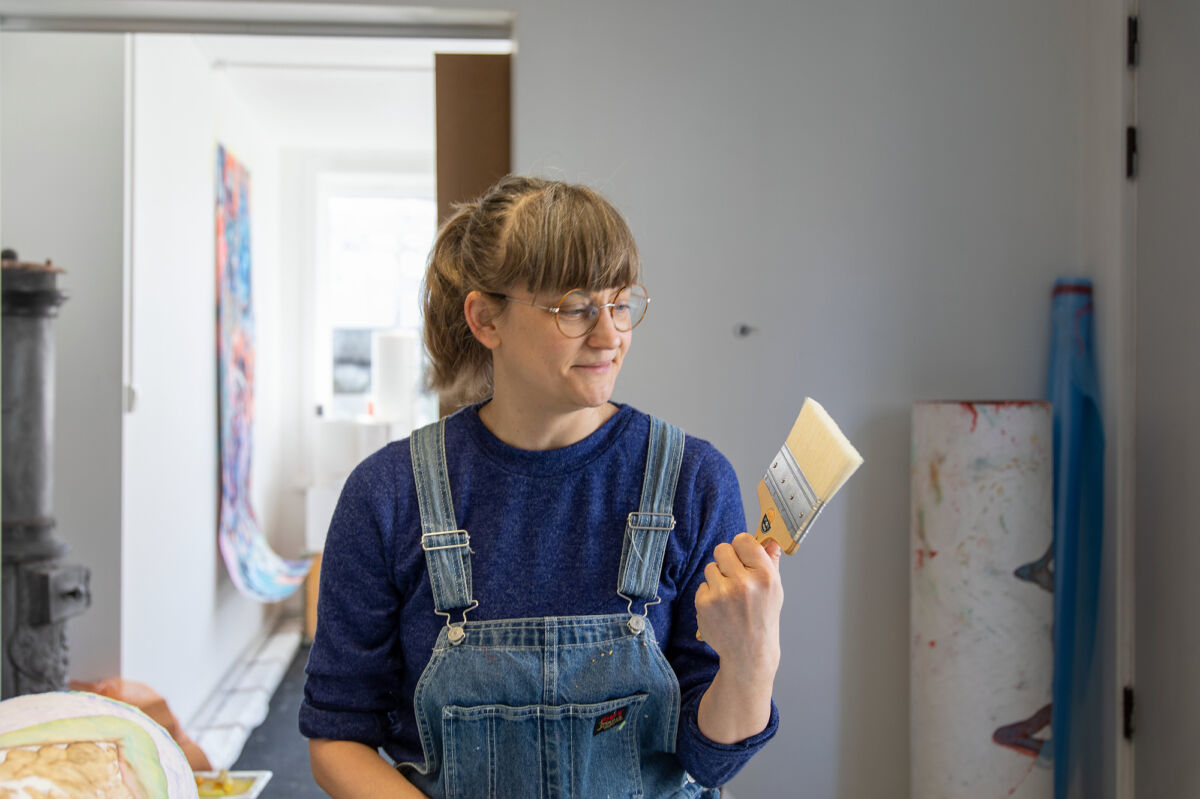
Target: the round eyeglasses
pixel 577 313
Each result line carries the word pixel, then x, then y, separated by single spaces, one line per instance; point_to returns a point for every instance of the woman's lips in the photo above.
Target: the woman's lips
pixel 595 367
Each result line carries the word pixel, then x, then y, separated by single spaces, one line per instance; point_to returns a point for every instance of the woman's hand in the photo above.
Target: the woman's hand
pixel 737 610
pixel 738 605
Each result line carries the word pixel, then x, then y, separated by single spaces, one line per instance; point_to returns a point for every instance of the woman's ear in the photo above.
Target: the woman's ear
pixel 481 311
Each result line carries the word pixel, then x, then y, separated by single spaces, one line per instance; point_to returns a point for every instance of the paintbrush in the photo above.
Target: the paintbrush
pixel 814 462
pixel 810 467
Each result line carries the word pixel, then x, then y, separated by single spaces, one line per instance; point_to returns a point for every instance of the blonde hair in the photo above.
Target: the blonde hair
pixel 537 234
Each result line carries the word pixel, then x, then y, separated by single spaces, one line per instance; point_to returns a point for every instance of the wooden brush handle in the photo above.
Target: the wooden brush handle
pixel 770 522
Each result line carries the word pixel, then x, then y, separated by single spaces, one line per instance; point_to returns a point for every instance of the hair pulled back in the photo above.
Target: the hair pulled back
pixel 524 232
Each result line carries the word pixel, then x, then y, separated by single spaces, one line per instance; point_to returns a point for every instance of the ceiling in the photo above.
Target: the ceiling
pixel 337 93
pixel 368 18
pixel 317 74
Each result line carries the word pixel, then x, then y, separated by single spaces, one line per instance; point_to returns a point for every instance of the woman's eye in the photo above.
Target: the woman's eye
pixel 573 311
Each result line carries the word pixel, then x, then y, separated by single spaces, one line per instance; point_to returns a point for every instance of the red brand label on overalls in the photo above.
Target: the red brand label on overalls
pixel 610 721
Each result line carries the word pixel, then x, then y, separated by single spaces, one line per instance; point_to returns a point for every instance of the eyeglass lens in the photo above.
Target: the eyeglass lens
pixel 578 312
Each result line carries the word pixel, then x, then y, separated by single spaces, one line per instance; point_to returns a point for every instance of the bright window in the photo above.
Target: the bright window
pixel 377 235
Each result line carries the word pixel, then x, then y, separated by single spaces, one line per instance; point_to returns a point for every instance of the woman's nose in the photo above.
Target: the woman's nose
pixel 605 333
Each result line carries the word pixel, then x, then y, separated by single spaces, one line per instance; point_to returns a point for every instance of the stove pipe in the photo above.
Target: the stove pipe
pixel 39 593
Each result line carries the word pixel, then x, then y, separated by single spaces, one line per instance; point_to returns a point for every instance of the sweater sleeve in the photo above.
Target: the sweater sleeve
pixel 355 657
pixel 712 506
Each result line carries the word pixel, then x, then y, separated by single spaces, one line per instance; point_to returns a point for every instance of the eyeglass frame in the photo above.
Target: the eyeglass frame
pixel 555 309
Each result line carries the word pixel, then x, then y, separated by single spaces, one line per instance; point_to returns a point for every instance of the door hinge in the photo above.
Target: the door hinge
pixel 1132 54
pixel 1131 152
pixel 1127 712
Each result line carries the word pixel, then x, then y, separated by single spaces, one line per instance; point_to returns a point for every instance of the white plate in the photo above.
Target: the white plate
pixel 261 778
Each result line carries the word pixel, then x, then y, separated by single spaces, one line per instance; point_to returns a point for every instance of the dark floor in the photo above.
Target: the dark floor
pixel 277 744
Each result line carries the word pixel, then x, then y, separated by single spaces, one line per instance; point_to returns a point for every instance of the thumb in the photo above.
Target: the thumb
pixel 774 550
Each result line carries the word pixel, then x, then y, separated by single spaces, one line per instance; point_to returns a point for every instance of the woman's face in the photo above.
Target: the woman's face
pixel 538 366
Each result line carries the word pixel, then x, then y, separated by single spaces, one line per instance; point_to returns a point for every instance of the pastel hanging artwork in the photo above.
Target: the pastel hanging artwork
pixel 256 569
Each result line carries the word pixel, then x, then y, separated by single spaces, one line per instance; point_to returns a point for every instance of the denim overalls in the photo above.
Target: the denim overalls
pixel 558 707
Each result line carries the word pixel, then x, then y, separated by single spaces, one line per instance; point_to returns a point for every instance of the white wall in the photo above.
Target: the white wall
pixel 137 494
pixel 63 156
pixel 887 192
pixel 184 622
pixel 1108 258
pixel 1168 384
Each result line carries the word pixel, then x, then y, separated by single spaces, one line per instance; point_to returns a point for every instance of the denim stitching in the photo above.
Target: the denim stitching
pixel 449 571
pixel 642 531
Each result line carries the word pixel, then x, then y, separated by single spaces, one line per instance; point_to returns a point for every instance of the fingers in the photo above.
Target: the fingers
pixel 727 560
pixel 739 602
pixel 750 552
pixel 744 553
pixel 742 562
pixel 712 573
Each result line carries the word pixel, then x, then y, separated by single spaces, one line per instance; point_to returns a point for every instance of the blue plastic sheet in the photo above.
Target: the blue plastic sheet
pixel 1074 392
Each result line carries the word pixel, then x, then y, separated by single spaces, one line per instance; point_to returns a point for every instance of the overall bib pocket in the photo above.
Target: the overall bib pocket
pixel 571 750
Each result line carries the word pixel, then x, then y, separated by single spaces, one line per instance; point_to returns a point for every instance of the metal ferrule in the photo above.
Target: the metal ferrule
pixel 798 504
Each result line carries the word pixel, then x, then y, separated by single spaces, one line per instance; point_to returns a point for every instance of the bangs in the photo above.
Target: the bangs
pixel 568 237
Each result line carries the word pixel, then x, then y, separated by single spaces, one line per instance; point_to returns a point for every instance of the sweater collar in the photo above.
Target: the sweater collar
pixel 550 461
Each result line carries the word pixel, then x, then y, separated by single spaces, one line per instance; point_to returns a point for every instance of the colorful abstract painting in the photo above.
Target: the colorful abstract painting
pixel 256 569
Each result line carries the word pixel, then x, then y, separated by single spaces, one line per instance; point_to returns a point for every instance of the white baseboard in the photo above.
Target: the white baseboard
pixel 240 702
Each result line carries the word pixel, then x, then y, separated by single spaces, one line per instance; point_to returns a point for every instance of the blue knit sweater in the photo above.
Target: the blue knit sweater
pixel 546 532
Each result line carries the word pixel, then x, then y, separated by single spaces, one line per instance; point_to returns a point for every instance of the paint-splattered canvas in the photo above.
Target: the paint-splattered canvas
pixel 255 568
pixel 982 602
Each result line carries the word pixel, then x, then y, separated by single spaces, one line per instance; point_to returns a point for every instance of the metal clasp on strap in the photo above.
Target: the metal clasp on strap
pixel 667 524
pixel 466 542
pixel 455 633
pixel 430 542
pixel 637 622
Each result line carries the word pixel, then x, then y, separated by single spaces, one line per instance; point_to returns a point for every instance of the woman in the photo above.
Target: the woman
pixel 512 601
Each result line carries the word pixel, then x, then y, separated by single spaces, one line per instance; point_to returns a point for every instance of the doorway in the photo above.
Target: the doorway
pixel 143 302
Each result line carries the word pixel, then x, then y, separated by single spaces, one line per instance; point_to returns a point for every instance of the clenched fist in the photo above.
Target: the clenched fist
pixel 738 606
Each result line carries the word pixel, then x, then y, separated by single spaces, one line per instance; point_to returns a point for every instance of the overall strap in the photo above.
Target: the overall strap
pixel 447 548
pixel 647 528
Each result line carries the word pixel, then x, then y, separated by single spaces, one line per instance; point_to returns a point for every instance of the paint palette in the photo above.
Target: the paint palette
pixel 233 784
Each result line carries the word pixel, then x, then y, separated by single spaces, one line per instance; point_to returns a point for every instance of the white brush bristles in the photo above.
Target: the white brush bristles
pixel 822 452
